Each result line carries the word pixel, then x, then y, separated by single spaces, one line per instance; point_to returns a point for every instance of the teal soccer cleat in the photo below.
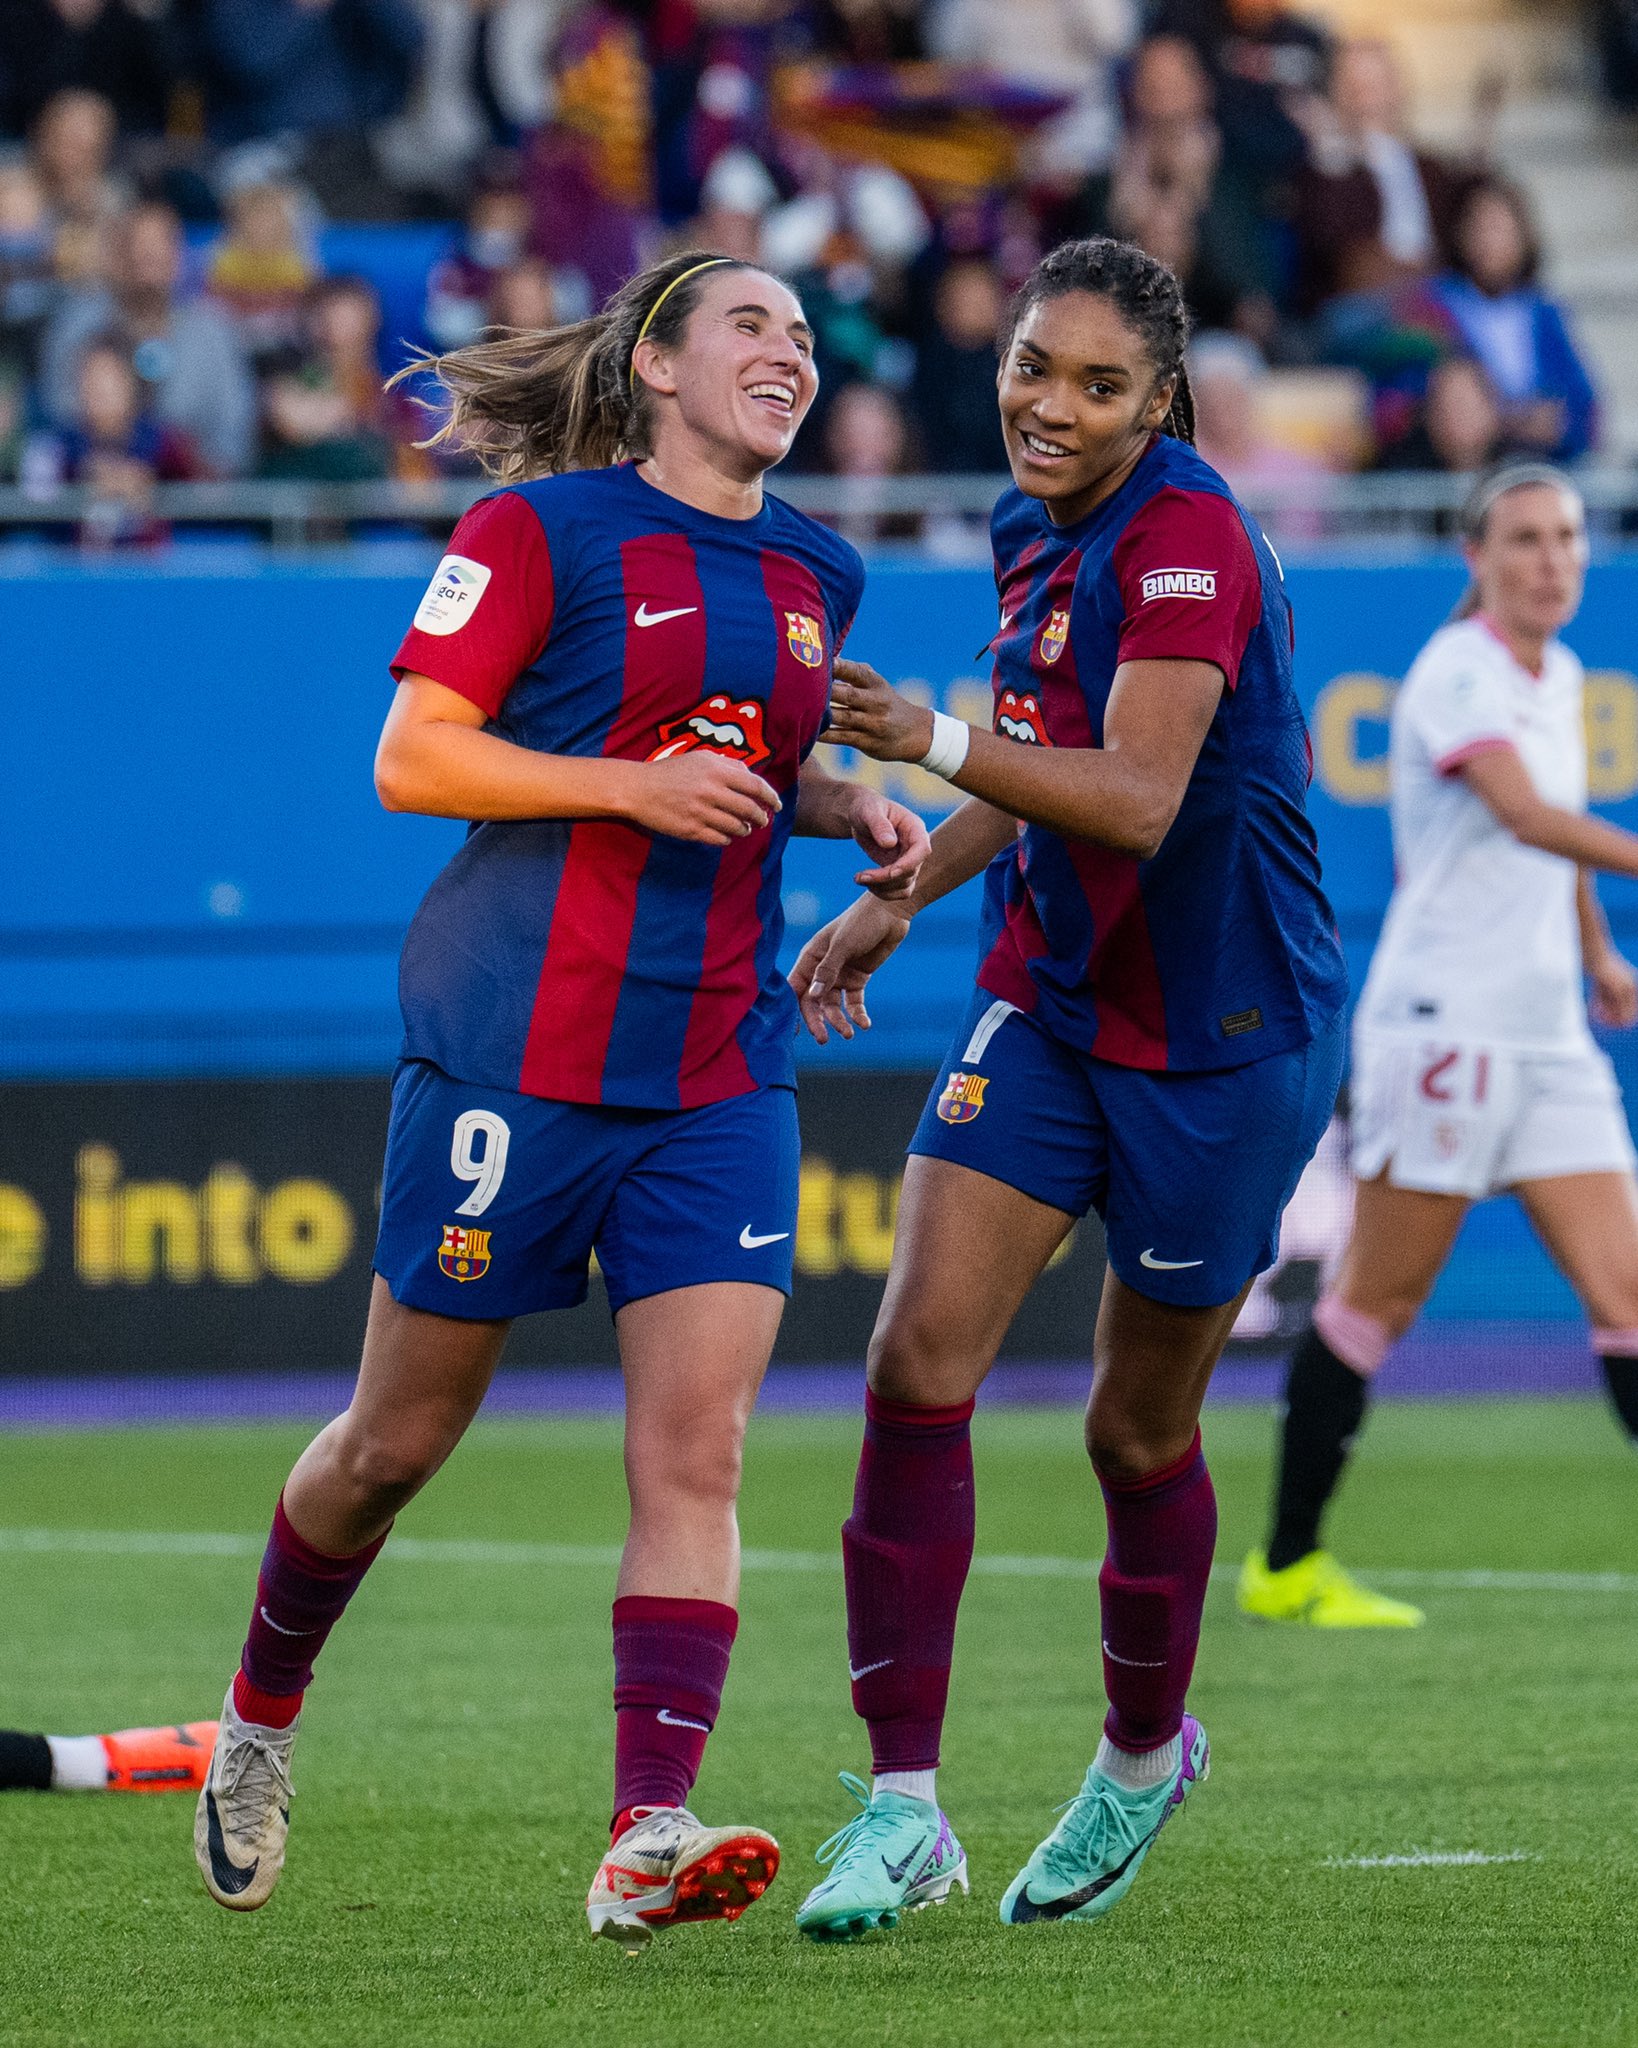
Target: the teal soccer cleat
pixel 1090 1861
pixel 895 1857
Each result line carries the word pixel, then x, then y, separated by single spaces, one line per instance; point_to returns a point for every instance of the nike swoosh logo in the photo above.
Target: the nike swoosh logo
pixel 229 1877
pixel 1165 1265
pixel 644 617
pixel 681 1721
pixel 278 1628
pixel 895 1871
pixel 751 1243
pixel 1134 1663
pixel 1024 1908
pixel 864 1670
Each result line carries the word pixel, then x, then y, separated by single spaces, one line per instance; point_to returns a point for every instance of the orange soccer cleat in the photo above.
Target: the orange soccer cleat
pixel 159 1759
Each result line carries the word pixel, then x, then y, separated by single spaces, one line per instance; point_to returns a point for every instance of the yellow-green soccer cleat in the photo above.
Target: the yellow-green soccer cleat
pixel 1318 1593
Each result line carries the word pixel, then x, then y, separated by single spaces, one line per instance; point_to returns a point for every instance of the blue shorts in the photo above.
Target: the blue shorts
pixel 1191 1173
pixel 493 1203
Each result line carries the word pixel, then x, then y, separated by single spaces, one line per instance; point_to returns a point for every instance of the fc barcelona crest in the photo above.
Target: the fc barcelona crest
pixel 464 1254
pixel 805 639
pixel 963 1098
pixel 1053 636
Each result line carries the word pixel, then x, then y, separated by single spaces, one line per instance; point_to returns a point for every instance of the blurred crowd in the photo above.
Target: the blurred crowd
pixel 177 176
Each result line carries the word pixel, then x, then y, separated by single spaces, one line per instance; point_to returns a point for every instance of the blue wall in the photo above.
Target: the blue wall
pixel 202 882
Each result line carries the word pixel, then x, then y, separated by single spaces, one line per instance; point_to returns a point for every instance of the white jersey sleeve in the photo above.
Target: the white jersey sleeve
pixel 1458 704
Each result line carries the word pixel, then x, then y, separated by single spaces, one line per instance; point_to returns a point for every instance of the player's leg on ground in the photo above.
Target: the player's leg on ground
pixel 172 1759
pixel 1400 1241
pixel 909 1542
pixel 693 1359
pixel 1152 1362
pixel 1589 1225
pixel 421 1380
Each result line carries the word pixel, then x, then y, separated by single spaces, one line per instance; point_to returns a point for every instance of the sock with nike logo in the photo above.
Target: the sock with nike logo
pixel 1162 1531
pixel 301 1594
pixel 670 1662
pixel 906 1550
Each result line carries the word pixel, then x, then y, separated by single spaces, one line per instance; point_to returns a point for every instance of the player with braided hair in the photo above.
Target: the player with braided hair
pixel 1156 1033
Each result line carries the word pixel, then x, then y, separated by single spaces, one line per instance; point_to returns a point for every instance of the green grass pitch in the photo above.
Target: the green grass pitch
pixel 453 1776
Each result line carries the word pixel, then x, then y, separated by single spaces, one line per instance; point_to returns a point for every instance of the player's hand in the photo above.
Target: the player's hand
pixel 895 838
pixel 706 797
pixel 868 713
pixel 1614 991
pixel 833 967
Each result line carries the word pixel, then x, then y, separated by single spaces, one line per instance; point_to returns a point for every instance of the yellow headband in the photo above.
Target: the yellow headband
pixel 710 263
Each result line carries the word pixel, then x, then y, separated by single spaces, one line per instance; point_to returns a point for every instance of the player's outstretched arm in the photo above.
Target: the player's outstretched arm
pixel 831 971
pixel 435 758
pixel 1499 777
pixel 828 807
pixel 1123 794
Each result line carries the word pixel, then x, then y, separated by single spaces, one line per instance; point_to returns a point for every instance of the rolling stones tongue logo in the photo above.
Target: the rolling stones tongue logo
pixel 1018 717
pixel 717 725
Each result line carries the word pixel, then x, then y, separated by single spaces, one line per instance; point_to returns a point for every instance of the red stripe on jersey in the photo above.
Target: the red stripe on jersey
pixel 596 906
pixel 713 1065
pixel 1005 971
pixel 1121 968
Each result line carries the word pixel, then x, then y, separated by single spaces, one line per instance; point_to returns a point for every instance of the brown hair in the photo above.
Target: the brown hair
pixel 531 404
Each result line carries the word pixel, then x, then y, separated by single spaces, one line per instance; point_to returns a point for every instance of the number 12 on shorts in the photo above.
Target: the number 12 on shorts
pixel 1456 1074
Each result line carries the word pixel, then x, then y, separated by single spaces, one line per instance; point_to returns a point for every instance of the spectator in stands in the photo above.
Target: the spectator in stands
pixel 125 54
pixel 866 440
pixel 118 450
pixel 321 73
pixel 523 295
pixel 588 169
pixel 953 395
pixel 1065 46
pixel 459 288
pixel 1459 425
pixel 72 149
pixel 1169 191
pixel 326 415
pixel 261 271
pixel 1372 210
pixel 481 86
pixel 28 285
pixel 185 351
pixel 1503 319
pixel 1269 67
pixel 1227 377
pixel 870 31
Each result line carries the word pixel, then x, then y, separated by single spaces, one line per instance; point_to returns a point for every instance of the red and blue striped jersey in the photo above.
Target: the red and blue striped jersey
pixel 593 961
pixel 1222 948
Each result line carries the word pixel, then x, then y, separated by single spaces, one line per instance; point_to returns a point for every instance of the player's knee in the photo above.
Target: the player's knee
pixel 699 1460
pixel 1124 1449
pixel 912 1359
pixel 386 1470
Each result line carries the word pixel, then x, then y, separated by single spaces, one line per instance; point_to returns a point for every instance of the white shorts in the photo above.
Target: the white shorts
pixel 1471 1120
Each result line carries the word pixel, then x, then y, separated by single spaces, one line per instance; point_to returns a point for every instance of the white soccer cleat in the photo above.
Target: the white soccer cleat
pixel 243 1816
pixel 666 1869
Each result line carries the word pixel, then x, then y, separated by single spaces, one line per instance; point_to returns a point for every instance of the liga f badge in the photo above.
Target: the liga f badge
pixel 963 1097
pixel 464 1254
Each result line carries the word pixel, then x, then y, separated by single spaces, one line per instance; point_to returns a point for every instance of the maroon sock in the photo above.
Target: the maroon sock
pixel 1162 1531
pixel 300 1595
pixel 906 1549
pixel 670 1661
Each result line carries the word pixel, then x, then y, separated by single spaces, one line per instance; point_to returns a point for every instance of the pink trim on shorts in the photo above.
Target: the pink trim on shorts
pixel 1357 1339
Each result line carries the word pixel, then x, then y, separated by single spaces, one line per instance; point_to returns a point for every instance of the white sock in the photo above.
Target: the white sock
pixel 79 1763
pixel 1140 1770
pixel 914 1784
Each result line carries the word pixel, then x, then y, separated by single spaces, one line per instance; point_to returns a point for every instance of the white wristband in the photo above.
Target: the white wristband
pixel 949 749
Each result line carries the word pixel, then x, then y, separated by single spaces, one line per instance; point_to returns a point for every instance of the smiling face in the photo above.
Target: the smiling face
pixel 1079 400
pixel 1531 560
pixel 740 379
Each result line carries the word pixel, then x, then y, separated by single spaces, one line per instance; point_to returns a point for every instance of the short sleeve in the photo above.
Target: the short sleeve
pixel 850 591
pixel 1459 708
pixel 1189 582
pixel 487 612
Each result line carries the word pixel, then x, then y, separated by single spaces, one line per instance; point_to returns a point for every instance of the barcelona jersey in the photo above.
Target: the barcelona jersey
pixel 1221 949
pixel 589 960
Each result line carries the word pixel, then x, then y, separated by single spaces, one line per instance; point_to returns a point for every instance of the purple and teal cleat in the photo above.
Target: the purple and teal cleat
pixel 894 1857
pixel 1090 1861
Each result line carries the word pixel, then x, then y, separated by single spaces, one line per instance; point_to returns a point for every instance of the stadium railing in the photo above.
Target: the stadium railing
pixel 1392 507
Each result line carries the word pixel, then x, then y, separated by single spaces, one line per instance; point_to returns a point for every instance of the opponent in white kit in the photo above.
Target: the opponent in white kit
pixel 1473 1067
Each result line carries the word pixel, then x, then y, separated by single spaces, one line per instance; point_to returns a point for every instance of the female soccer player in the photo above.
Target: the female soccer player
pixel 1474 1069
pixel 1155 1033
pixel 618 670
pixel 170 1759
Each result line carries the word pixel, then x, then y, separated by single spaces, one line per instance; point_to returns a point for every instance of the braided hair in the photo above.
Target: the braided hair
pixel 1142 290
pixel 535 402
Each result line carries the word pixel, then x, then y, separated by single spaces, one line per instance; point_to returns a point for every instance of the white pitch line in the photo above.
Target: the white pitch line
pixel 601 1556
pixel 1427 1859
